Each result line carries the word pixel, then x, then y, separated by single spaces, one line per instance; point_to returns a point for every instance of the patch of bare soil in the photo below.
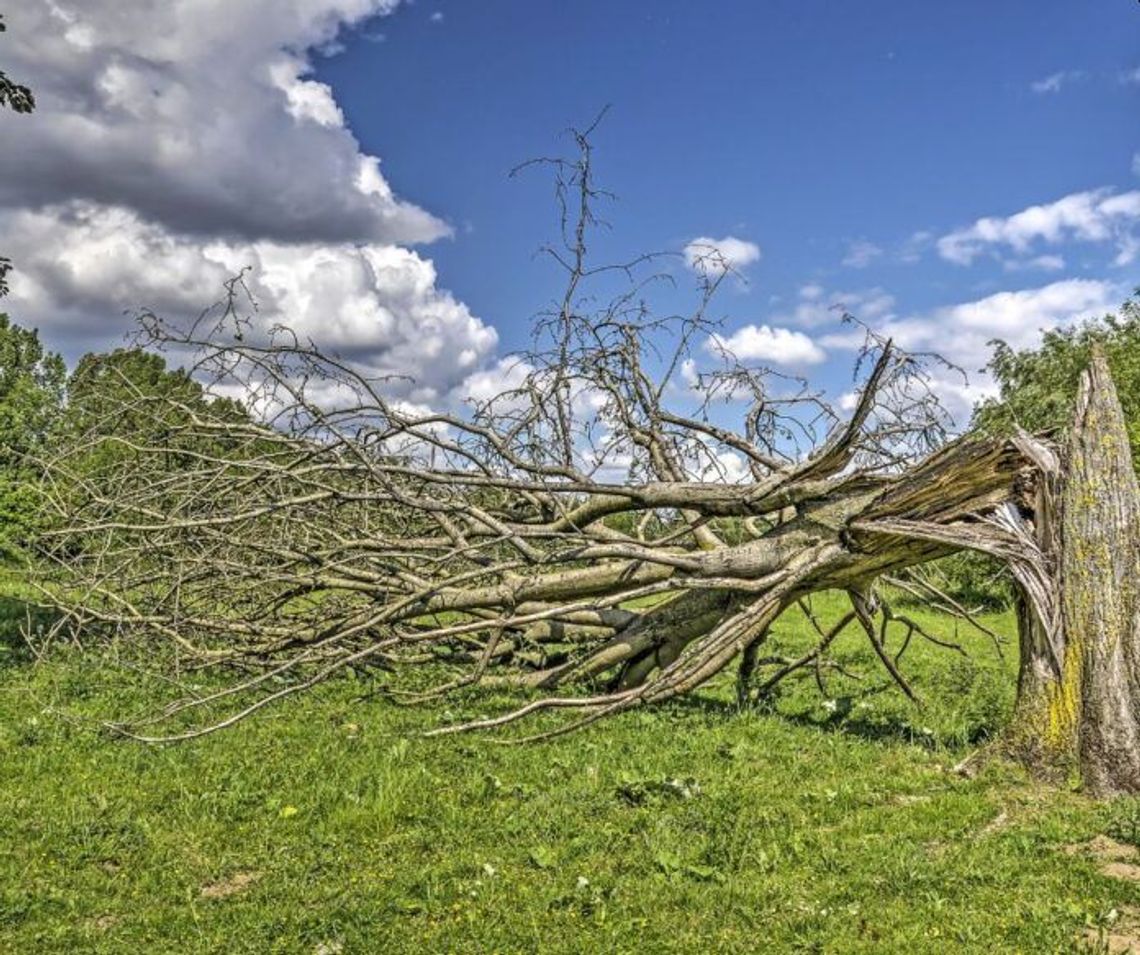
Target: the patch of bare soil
pixel 1118 860
pixel 1122 936
pixel 999 822
pixel 1122 870
pixel 1104 849
pixel 232 885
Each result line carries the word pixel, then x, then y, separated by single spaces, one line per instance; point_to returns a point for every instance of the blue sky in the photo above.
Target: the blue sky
pixel 803 126
pixel 949 172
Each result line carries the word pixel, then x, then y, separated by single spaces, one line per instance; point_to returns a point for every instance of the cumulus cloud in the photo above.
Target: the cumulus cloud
pixel 1055 81
pixel 176 143
pixel 778 346
pixel 861 253
pixel 377 304
pixel 721 465
pixel 1096 215
pixel 200 116
pixel 487 384
pixel 704 254
pixel 962 333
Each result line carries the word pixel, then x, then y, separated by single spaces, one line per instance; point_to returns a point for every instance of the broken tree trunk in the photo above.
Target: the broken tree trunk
pixel 1079 687
pixel 1100 589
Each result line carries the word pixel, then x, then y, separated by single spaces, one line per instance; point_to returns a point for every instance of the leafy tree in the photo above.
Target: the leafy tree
pixel 129 380
pixel 32 384
pixel 1039 386
pixel 124 407
pixel 130 393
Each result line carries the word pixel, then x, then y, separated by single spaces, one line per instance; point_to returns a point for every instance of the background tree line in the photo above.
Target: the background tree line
pixel 40 401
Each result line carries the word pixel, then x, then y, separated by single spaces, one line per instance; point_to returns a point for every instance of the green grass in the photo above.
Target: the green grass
pixel 817 825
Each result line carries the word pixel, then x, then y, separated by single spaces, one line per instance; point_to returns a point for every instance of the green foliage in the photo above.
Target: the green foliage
pixel 1123 820
pixel 129 423
pixel 31 394
pixel 131 391
pixel 131 394
pixel 12 94
pixel 976 581
pixel 1039 386
pixel 24 622
pixel 1037 390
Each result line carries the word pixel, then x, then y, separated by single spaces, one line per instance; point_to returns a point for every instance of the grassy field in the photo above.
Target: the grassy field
pixel 820 824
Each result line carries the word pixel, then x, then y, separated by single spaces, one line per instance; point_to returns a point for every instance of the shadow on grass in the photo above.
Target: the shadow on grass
pixel 21 620
pixel 843 719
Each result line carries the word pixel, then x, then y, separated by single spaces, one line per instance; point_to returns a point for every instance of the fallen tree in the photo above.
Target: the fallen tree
pixel 598 533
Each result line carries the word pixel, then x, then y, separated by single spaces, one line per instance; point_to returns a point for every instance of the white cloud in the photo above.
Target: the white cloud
pixel 199 115
pixel 307 100
pixel 721 466
pixel 176 143
pixel 436 17
pixel 861 253
pixel 1054 82
pixel 1097 215
pixel 780 346
pixel 377 304
pixel 914 247
pixel 962 333
pixel 1130 77
pixel 488 383
pixel 704 254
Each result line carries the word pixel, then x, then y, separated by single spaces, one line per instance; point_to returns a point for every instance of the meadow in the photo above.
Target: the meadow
pixel 816 822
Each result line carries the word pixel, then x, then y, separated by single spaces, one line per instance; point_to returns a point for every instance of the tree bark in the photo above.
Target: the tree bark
pixel 1079 683
pixel 1100 596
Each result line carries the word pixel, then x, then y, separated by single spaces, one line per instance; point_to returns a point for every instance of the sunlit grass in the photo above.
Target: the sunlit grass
pixel 827 823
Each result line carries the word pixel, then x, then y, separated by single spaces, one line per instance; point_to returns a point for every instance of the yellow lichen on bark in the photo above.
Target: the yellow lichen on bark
pixel 1063 705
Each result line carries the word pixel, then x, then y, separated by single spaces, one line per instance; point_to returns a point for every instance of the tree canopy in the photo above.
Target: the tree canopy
pixel 32 384
pixel 1038 386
